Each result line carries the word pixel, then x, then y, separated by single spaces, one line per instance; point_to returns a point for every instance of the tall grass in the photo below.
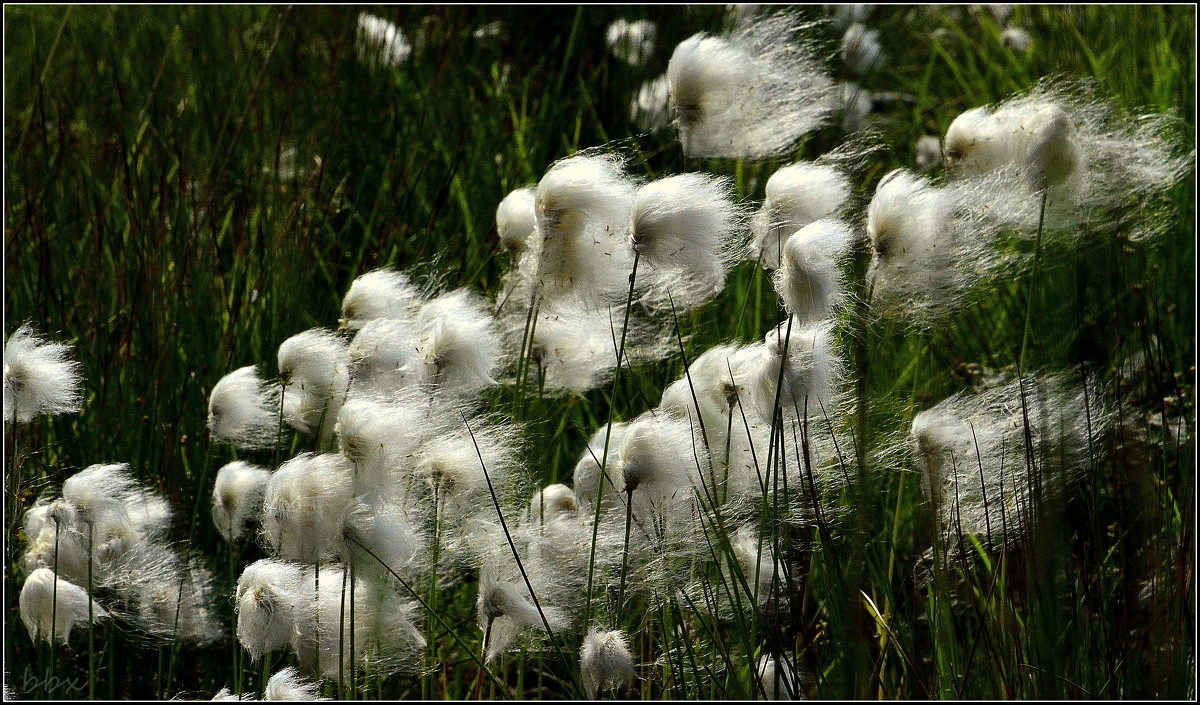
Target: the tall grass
pixel 189 186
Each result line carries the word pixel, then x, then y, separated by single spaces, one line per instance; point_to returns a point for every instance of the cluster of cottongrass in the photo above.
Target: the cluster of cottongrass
pixel 102 548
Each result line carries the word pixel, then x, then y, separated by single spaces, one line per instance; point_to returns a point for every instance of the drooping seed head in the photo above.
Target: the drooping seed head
pixel 38 378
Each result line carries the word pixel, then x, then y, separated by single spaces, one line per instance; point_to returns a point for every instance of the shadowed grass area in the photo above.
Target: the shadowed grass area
pixel 190 186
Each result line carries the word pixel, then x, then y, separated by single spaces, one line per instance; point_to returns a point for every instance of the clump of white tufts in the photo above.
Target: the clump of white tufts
pixel 51 606
pixel 1016 39
pixel 384 357
pixel 516 218
pixel 108 531
pixel 382 293
pixel 593 468
pixel 685 230
pixel 462 467
pixel 552 503
pixel 243 411
pixel 796 195
pixel 288 685
pixel 650 109
pixel 379 437
pixel 660 457
pixel 751 94
pixel 928 250
pixel 710 393
pixel 270 595
pixel 460 344
pixel 1084 154
pixel 38 378
pixel 349 610
pixel 314 368
pixel 506 609
pixel 380 41
pixel 860 49
pixel 237 497
pixel 305 505
pixel 811 372
pixel 983 456
pixel 929 152
pixel 573 346
pixel 382 539
pixel 605 662
pixel 809 282
pixel 631 42
pixel 583 207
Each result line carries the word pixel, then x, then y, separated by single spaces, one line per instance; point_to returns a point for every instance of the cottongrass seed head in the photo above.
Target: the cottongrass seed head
pixel 288 685
pixel 305 505
pixel 796 195
pixel 238 497
pixel 244 411
pixel 380 293
pixel 605 662
pixel 314 367
pixel 809 280
pixel 380 42
pixel 685 228
pixel 43 618
pixel 752 93
pixel 269 599
pixel 516 219
pixel 38 378
pixel 1081 149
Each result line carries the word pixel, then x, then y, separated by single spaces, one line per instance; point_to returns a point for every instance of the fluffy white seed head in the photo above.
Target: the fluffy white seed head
pixel 457 466
pixel 856 104
pixel 505 609
pixel 551 503
pixel 460 343
pixel 583 207
pixel 243 411
pixel 270 597
pixel 659 454
pixel 384 357
pixel 605 661
pixel 684 229
pixel 380 42
pixel 516 218
pixel 978 453
pixel 121 509
pixel 44 619
pixel 305 506
pixel 860 49
pixel 650 109
pixel 314 368
pixel 810 279
pixel 811 372
pixel 237 497
pixel 382 539
pixel 631 42
pixel 750 94
pixel 796 195
pixel 38 378
pixel 588 476
pixel 906 223
pixel 381 293
pixel 379 438
pixel 288 685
